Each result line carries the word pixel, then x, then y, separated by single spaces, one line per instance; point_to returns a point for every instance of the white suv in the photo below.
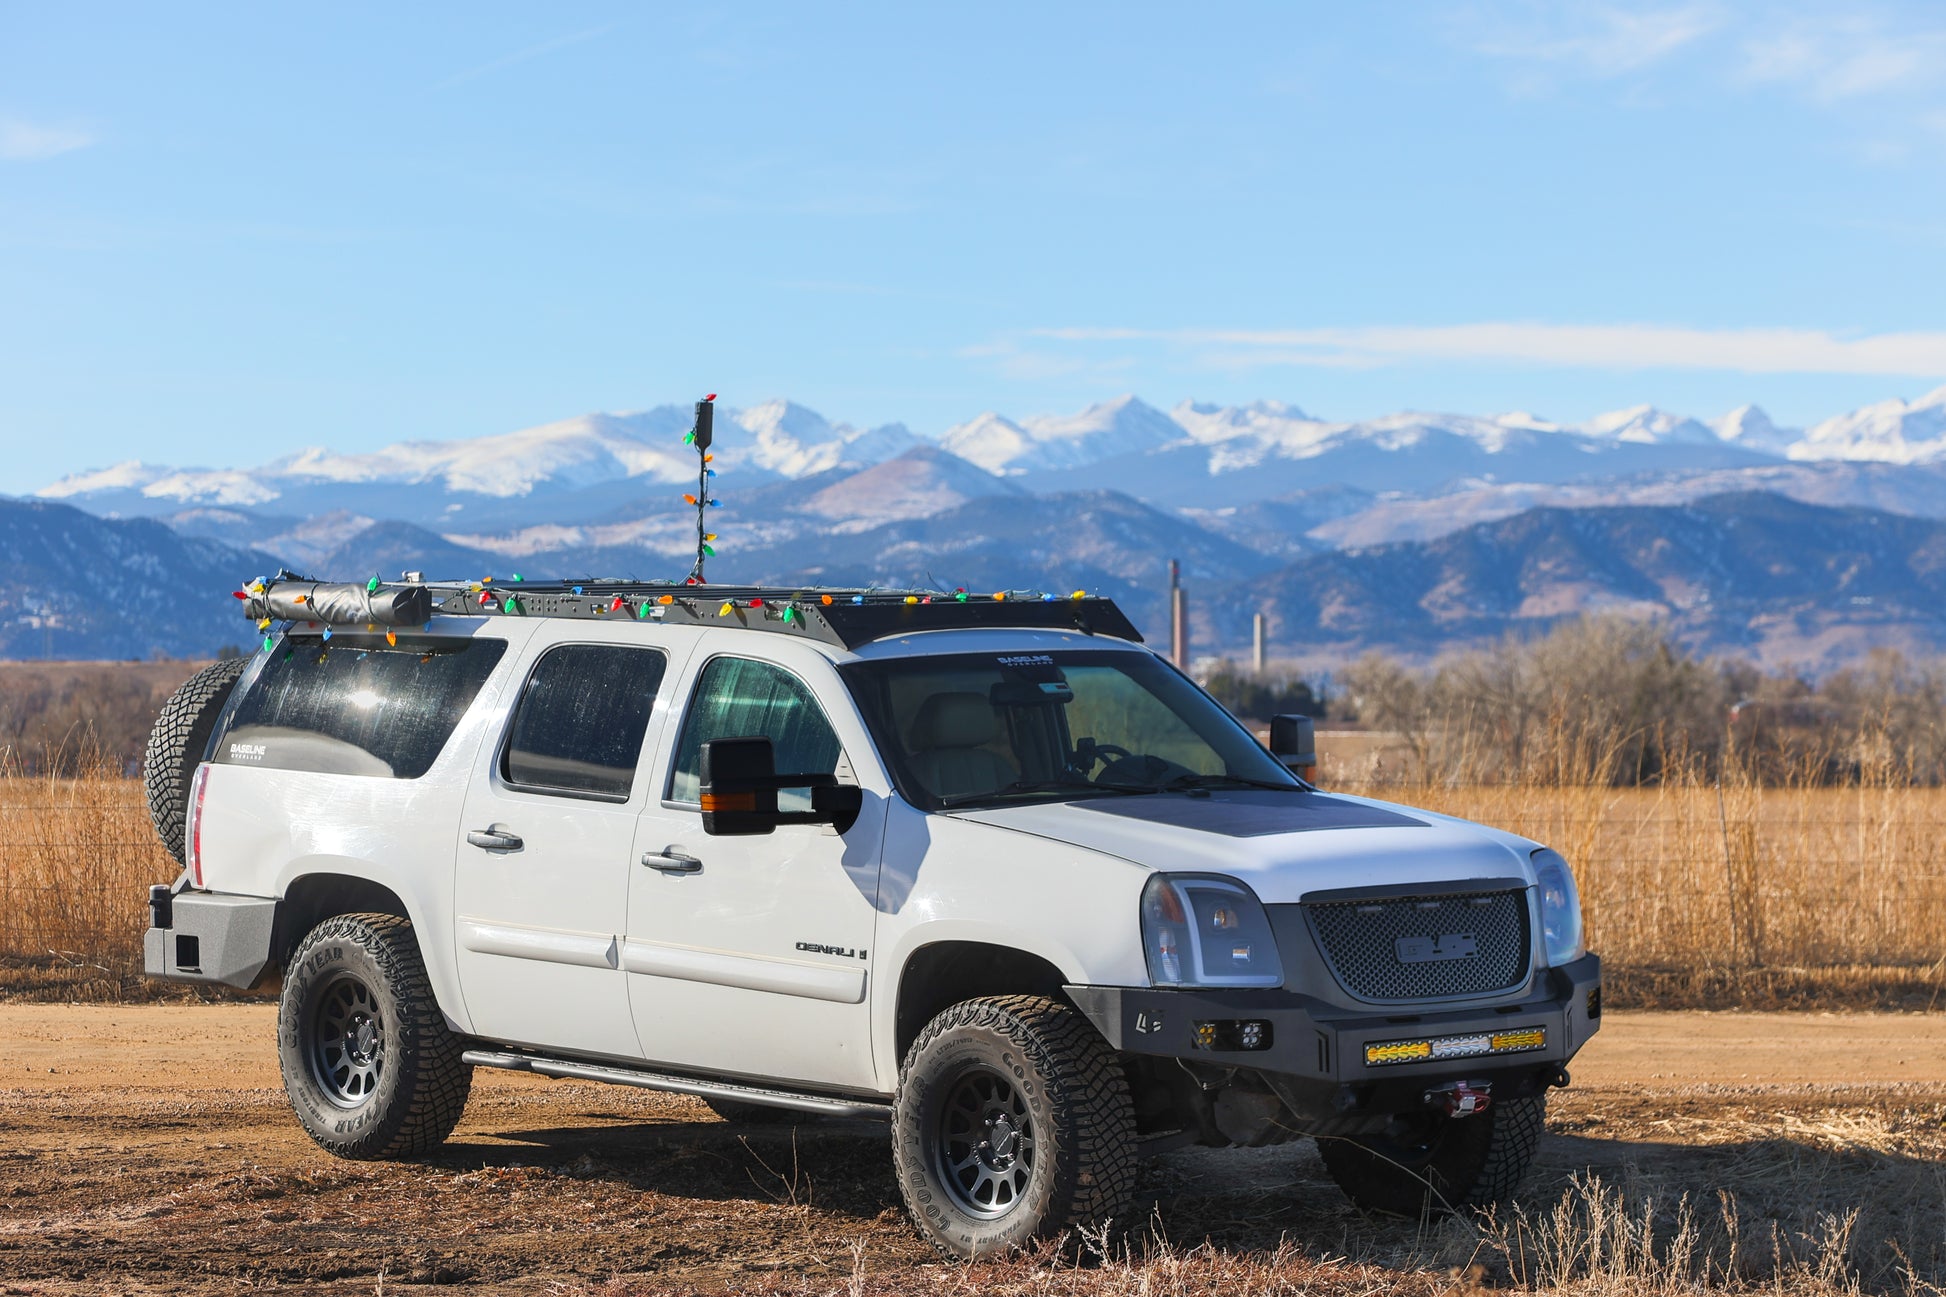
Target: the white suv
pixel 1021 890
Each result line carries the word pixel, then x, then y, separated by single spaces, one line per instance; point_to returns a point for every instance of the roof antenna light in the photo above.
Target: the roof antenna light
pixel 700 436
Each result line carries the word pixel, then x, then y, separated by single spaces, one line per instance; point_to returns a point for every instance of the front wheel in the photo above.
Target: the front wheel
pixel 370 1066
pixel 1012 1124
pixel 1431 1162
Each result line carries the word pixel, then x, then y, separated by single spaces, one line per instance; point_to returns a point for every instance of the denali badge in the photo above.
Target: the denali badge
pixel 1425 950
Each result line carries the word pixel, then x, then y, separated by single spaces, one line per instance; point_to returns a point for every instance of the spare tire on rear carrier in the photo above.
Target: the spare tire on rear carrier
pixel 176 746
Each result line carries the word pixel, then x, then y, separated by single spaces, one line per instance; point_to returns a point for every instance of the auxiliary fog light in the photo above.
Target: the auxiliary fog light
pixel 1472 1045
pixel 1232 1034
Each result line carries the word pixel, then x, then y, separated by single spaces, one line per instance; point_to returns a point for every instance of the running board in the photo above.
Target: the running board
pixel 824 1105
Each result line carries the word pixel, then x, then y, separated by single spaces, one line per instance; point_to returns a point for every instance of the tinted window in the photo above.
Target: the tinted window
pixel 579 724
pixel 737 698
pixel 357 705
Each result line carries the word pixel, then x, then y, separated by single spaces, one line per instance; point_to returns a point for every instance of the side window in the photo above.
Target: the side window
pixel 736 698
pixel 358 705
pixel 577 730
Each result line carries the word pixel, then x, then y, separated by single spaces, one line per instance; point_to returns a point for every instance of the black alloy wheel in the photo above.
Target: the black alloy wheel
pixel 347 1042
pixel 983 1143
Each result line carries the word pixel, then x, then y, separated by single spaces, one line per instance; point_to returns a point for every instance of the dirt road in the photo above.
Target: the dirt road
pixel 149 1148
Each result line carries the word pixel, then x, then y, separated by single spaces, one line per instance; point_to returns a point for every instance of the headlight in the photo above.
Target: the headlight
pixel 1560 908
pixel 1200 931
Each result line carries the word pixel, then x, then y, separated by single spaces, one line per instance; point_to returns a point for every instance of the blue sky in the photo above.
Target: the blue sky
pixel 230 231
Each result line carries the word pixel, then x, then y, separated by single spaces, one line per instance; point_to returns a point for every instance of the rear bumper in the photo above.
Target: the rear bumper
pixel 1314 1041
pixel 209 937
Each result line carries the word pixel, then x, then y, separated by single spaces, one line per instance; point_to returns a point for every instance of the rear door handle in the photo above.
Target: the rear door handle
pixel 495 840
pixel 671 861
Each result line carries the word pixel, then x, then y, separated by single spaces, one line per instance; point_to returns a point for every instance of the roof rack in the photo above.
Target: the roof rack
pixel 848 617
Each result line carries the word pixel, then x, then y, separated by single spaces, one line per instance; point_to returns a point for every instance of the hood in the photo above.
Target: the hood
pixel 1282 844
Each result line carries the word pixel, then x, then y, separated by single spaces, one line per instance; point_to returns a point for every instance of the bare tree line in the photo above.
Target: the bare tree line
pixel 1616 701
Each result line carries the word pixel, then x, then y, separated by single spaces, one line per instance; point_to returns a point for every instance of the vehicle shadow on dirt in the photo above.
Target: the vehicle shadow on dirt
pixel 1860 1188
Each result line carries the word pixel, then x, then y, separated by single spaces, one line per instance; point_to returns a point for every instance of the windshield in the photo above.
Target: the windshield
pixel 983 729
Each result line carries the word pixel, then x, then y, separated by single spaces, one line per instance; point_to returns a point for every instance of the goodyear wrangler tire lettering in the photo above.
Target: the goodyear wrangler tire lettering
pixel 1012 1124
pixel 371 1069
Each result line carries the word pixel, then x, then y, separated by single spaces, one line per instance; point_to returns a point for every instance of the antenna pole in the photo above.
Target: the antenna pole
pixel 700 436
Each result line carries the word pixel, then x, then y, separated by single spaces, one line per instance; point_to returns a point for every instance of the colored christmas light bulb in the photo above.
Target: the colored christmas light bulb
pixel 999 596
pixel 371 586
pixel 327 632
pixel 858 598
pixel 826 600
pixel 790 615
pixel 912 598
pixel 392 638
pixel 709 551
pixel 688 498
pixel 617 604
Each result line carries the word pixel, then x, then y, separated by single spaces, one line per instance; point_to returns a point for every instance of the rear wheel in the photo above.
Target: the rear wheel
pixel 371 1069
pixel 1432 1162
pixel 1012 1124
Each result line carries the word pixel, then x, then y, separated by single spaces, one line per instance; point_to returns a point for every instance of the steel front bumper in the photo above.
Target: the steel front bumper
pixel 1310 1040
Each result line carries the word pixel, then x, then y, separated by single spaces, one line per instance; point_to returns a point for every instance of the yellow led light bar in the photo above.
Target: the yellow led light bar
pixel 1403 1051
pixel 1472 1045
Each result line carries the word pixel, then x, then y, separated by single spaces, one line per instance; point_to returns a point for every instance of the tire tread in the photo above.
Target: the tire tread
pixel 175 747
pixel 1087 1092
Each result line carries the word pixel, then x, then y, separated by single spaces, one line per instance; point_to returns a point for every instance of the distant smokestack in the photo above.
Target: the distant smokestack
pixel 1257 643
pixel 1175 574
pixel 1179 626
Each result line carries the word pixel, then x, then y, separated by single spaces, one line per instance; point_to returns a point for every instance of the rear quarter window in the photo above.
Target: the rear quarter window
pixel 357 705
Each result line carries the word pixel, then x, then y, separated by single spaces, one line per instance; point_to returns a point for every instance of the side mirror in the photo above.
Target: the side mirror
pixel 739 791
pixel 1294 741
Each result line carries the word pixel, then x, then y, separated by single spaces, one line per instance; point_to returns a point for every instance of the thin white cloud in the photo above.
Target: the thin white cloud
pixel 1592 346
pixel 29 142
pixel 1846 57
pixel 1603 40
pixel 522 56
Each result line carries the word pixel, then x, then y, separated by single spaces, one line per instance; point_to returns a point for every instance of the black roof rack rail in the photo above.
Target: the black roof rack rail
pixel 848 617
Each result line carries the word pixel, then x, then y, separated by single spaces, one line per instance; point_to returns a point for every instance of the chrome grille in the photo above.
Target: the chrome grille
pixel 1425 947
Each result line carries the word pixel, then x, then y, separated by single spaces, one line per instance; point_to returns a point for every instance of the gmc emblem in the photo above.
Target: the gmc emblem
pixel 1427 950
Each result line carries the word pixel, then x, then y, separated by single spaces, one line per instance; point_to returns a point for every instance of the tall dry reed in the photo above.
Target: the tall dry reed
pixel 77 855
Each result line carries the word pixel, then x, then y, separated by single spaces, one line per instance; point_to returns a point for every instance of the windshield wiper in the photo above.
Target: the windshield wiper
pixel 1025 786
pixel 1224 781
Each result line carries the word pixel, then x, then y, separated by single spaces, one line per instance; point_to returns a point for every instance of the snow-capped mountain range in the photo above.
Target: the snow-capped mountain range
pixel 1267 475
pixel 1377 533
pixel 1253 451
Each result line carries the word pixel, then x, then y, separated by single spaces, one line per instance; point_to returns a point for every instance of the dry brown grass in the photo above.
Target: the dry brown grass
pixel 77 857
pixel 1702 896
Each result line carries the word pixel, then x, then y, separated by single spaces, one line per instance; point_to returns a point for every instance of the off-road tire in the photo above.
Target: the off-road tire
pixel 738 1113
pixel 1066 1083
pixel 1466 1162
pixel 176 745
pixel 420 1084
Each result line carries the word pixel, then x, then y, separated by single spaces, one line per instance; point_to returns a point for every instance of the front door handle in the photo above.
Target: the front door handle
pixel 671 861
pixel 495 840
